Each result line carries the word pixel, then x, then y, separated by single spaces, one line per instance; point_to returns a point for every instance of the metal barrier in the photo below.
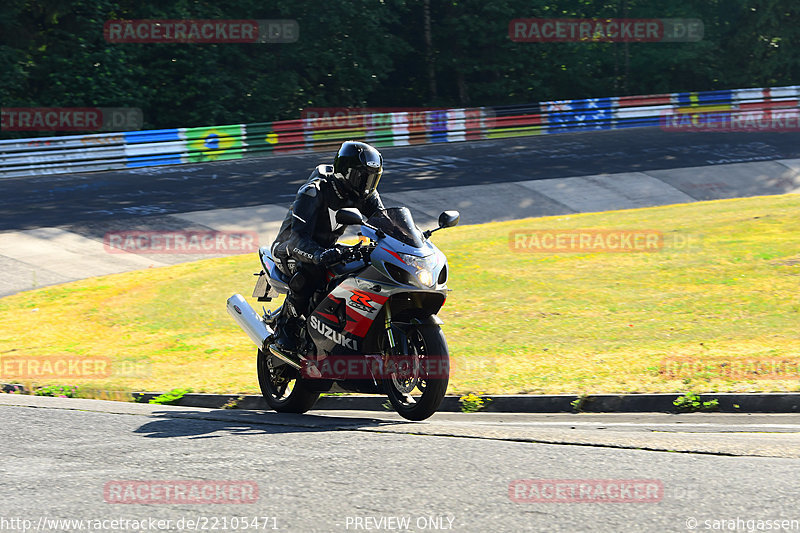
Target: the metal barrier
pixel 112 151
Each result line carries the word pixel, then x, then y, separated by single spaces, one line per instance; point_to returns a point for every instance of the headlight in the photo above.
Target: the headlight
pixel 425 277
pixel 424 267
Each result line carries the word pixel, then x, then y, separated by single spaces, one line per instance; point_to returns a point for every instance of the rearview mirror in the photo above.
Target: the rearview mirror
pixel 349 216
pixel 448 219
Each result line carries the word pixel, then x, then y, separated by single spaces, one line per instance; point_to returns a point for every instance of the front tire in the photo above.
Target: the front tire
pixel 281 386
pixel 417 392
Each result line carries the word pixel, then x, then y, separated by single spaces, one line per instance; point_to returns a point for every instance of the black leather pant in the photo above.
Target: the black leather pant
pixel 307 279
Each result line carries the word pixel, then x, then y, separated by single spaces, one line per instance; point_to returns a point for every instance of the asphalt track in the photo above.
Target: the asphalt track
pixel 115 197
pixel 454 472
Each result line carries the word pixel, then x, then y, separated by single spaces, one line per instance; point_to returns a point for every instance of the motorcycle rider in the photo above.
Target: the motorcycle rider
pixel 310 231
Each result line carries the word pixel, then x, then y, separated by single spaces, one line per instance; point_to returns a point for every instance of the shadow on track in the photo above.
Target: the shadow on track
pixel 219 422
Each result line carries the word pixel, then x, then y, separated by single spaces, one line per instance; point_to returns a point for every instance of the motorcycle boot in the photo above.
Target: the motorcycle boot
pixel 287 330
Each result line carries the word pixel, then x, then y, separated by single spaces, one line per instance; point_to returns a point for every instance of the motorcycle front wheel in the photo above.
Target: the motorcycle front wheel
pixel 281 386
pixel 418 386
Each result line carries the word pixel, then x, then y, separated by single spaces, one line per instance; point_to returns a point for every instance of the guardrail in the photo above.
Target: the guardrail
pixel 113 151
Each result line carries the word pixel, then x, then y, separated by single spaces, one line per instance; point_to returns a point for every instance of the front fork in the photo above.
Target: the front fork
pixel 398 346
pixel 398 340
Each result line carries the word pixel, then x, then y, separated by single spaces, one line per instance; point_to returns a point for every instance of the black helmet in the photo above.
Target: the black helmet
pixel 358 167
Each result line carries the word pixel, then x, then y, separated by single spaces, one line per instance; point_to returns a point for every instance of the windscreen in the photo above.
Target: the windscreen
pixel 397 222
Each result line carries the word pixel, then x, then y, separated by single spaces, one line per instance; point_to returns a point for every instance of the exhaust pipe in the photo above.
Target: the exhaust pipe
pixel 253 325
pixel 248 320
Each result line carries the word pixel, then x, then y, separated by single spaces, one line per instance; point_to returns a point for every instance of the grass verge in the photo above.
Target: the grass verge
pixel 708 312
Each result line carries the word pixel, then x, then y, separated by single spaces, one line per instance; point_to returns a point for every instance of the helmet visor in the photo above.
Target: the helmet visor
pixel 365 180
pixel 368 176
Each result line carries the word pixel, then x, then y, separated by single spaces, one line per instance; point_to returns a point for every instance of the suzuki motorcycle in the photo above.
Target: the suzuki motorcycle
pixel 372 329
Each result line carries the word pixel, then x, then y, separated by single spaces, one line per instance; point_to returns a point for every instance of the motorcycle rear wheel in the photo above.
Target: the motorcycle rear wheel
pixel 282 388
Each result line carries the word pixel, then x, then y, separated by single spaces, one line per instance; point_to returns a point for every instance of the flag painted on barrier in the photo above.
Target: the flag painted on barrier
pixel 639 111
pixel 154 147
pixel 437 126
pixel 259 138
pixel 705 98
pixel 288 136
pixel 475 122
pixel 644 101
pixel 579 115
pixel 766 98
pixel 514 121
pixel 401 129
pixel 215 143
pixel 380 130
pixel 380 126
pixel 687 105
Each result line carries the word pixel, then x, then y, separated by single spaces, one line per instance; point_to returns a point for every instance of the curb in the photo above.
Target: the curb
pixel 729 402
pixel 777 402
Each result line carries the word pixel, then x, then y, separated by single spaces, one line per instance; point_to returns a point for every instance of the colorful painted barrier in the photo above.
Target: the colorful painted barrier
pixel 58 155
pixel 325 129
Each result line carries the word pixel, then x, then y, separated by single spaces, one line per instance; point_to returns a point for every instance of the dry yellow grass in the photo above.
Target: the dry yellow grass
pixel 515 322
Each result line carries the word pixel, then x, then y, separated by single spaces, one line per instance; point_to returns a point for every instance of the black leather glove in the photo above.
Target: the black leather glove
pixel 329 256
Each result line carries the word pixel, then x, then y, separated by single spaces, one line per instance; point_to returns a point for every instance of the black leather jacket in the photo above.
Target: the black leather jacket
pixel 310 226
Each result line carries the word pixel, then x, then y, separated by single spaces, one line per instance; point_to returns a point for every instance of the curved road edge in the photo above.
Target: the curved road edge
pixel 721 434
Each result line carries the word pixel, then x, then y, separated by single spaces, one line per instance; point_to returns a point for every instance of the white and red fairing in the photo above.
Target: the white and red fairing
pixel 340 323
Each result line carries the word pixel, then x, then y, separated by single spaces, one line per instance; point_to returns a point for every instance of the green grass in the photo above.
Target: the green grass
pixel 516 322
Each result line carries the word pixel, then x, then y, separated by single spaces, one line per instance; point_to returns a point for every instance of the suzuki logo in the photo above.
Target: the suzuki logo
pixel 328 333
pixel 359 300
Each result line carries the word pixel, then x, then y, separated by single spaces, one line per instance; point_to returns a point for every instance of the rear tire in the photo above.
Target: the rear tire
pixel 282 388
pixel 426 344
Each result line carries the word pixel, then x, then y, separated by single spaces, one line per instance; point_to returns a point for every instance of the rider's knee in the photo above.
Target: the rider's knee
pixel 299 283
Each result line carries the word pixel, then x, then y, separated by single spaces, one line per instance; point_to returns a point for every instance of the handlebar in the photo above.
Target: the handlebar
pixel 352 252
